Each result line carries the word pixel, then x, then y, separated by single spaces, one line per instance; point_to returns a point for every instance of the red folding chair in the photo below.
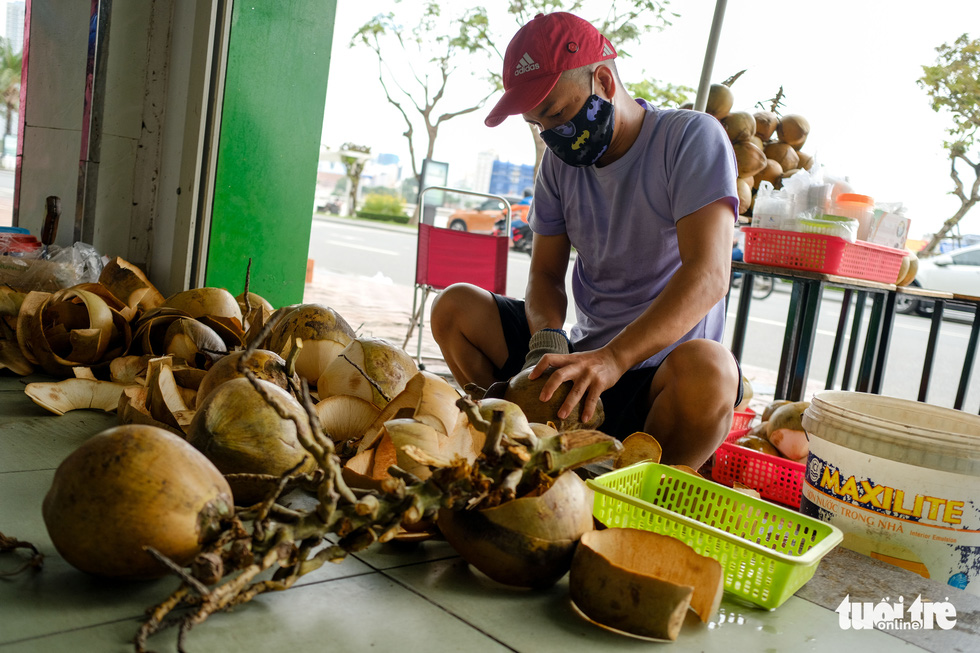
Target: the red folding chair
pixel 446 256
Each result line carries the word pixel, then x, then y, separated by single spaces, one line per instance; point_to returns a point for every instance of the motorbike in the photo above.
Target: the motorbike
pixel 520 234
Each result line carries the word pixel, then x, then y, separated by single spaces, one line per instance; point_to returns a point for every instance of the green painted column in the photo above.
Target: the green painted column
pixel 268 148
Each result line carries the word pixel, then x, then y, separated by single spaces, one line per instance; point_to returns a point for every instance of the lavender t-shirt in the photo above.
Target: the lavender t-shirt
pixel 621 220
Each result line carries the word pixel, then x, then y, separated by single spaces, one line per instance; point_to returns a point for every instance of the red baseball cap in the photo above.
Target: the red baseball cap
pixel 539 53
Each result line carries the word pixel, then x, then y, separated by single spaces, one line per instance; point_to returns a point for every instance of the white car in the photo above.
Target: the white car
pixel 956 272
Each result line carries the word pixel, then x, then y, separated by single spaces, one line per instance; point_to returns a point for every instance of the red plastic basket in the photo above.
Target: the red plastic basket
pixel 776 479
pixel 742 419
pixel 820 253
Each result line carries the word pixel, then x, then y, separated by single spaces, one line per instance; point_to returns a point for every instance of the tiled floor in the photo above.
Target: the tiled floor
pixel 391 598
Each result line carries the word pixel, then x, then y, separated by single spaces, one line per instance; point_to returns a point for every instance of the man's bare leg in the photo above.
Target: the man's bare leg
pixel 693 396
pixel 466 325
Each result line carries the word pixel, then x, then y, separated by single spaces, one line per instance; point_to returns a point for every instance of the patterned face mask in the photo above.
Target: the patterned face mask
pixel 585 138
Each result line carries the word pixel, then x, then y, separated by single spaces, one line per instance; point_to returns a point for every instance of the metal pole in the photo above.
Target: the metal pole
pixel 709 55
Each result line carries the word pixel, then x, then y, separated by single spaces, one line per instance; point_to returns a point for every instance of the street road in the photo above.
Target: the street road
pixel 342 246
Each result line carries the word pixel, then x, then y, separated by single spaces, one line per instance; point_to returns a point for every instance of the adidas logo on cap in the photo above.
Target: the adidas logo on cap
pixel 607 50
pixel 526 64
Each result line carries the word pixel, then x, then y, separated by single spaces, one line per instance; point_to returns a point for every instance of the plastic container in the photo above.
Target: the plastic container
pixel 820 253
pixel 771 211
pixel 830 225
pixel 767 552
pixel 775 478
pixel 859 207
pixel 901 479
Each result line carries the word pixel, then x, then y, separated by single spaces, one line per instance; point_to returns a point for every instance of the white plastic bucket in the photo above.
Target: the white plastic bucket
pixel 901 479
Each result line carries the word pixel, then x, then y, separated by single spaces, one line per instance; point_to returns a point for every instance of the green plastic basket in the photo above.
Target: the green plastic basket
pixel 767 552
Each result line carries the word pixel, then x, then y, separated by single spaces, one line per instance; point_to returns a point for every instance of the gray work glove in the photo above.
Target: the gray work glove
pixel 545 341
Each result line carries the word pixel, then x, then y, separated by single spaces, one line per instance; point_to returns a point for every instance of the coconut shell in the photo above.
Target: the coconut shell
pixel 527 542
pixel 642 582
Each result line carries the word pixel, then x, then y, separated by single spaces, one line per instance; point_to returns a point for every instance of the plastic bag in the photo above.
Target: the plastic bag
pixel 52 268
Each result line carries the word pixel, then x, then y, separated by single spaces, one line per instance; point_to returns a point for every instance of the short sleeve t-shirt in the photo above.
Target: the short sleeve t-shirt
pixel 621 219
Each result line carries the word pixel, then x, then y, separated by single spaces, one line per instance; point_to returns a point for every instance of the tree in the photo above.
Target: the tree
pixel 353 157
pixel 10 67
pixel 661 93
pixel 430 53
pixel 953 84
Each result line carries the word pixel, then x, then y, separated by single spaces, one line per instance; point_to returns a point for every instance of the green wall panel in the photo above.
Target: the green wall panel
pixel 268 148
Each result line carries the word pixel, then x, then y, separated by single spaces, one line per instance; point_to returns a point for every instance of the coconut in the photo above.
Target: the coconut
pixel 744 187
pixel 324 334
pixel 264 364
pixel 720 101
pixel 739 125
pixel 527 542
pixel 370 368
pixel 783 154
pixel 750 159
pixel 242 432
pixel 755 140
pixel 194 342
pixel 793 129
pixel 806 161
pixel 526 393
pixel 765 124
pixel 129 487
pixel 199 302
pixel 771 173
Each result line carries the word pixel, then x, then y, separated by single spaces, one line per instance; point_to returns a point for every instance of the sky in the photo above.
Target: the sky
pixel 848 66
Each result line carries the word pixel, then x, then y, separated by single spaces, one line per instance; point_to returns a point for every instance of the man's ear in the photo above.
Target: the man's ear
pixel 606 81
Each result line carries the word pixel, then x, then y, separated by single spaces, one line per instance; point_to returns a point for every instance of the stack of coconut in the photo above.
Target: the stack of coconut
pixel 767 146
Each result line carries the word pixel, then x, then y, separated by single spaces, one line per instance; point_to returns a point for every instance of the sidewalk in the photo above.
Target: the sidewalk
pixel 377 308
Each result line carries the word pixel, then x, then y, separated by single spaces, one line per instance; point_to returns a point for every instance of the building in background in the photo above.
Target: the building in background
pixel 511 178
pixel 484 170
pixel 15 25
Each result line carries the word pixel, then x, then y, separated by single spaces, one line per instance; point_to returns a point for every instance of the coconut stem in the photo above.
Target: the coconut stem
pixel 248 281
pixel 198 586
pixel 36 561
pixel 292 356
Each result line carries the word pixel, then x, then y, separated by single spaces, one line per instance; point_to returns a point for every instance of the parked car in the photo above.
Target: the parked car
pixel 955 272
pixel 482 218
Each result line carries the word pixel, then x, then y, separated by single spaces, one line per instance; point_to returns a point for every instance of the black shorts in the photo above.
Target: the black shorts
pixel 624 404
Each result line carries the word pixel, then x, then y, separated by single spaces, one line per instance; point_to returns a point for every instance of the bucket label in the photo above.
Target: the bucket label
pixel 921 519
pixel 884 499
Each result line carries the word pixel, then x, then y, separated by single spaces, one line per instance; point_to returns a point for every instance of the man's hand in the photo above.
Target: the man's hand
pixel 591 373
